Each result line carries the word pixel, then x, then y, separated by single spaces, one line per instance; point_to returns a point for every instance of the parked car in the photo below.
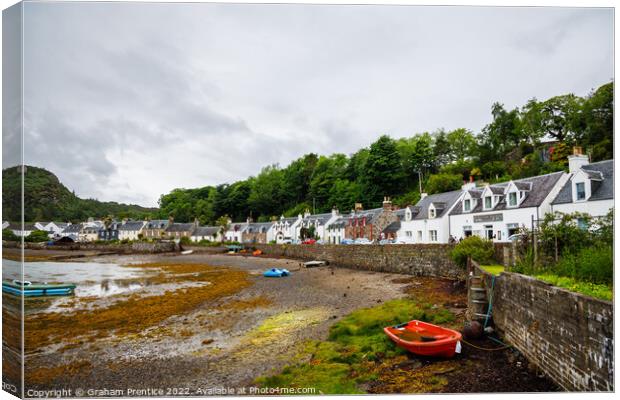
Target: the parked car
pixel 362 241
pixel 287 241
pixel 516 236
pixel 386 241
pixel 347 241
pixel 320 241
pixel 309 241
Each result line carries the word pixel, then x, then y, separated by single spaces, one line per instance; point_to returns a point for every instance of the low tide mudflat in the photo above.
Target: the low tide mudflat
pixel 205 321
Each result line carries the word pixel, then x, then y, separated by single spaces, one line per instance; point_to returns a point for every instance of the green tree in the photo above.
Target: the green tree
pixel 462 144
pixel 223 223
pixel 443 182
pixel 383 175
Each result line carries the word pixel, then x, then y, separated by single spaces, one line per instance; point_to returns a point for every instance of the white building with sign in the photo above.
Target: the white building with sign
pixel 498 211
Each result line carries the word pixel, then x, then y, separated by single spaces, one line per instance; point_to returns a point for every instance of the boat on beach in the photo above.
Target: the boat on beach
pixel 314 263
pixel 425 339
pixel 30 289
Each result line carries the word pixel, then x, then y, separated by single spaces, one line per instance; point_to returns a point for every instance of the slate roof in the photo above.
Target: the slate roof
pixel 602 190
pixel 180 227
pixel 75 228
pixel 320 218
pixel 393 227
pixel 541 186
pixel 61 225
pixel 255 227
pixel 206 231
pixel 448 198
pixel 131 226
pixel 157 224
pixel 339 223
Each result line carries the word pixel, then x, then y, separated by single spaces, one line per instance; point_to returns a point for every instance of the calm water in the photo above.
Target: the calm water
pixel 92 279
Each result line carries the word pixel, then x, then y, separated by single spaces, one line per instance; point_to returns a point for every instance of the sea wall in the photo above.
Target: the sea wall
pixel 412 259
pixel 568 336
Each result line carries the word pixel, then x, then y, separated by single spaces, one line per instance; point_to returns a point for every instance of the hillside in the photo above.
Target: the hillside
pixel 46 199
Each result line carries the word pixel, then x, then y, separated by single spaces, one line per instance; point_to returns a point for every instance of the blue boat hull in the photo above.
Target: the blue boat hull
pixel 37 292
pixel 276 273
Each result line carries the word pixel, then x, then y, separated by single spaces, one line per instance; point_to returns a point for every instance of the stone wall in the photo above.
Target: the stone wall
pixel 569 336
pixel 413 259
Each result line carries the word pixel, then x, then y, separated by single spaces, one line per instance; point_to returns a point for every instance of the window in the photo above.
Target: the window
pixel 419 236
pixel 580 189
pixel 409 233
pixel 431 213
pixel 467 205
pixel 487 202
pixel 433 236
pixel 512 199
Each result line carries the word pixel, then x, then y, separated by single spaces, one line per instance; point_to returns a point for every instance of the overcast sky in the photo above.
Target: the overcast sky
pixel 125 102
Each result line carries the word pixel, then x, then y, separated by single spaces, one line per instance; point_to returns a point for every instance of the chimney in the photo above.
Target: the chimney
pixel 196 222
pixel 423 195
pixel 306 213
pixel 170 220
pixel 577 160
pixel 387 203
pixel 469 185
pixel 358 207
pixel 249 220
pixel 334 211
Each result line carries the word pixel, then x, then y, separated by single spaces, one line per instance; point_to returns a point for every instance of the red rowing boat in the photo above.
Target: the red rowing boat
pixel 425 339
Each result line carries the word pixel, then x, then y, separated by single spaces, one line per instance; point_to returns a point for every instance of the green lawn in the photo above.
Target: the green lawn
pixel 493 269
pixel 604 292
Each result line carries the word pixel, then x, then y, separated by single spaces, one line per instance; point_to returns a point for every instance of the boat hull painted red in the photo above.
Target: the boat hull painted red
pixel 424 339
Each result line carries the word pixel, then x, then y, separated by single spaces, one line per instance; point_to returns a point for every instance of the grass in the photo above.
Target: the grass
pixel 355 346
pixel 599 291
pixel 493 269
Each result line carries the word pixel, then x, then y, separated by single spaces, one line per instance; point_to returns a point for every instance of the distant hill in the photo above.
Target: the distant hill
pixel 47 199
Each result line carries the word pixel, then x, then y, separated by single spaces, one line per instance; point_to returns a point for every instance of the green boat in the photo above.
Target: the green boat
pixel 26 288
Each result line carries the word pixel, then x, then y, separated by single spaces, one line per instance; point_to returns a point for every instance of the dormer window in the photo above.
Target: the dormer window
pixel 512 199
pixel 488 202
pixel 431 213
pixel 580 190
pixel 467 205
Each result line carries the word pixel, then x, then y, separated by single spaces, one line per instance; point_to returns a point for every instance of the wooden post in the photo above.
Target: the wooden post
pixel 535 243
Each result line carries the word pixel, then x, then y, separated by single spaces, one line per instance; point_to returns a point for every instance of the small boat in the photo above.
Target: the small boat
pixel 185 252
pixel 257 252
pixel 27 288
pixel 315 263
pixel 425 339
pixel 276 273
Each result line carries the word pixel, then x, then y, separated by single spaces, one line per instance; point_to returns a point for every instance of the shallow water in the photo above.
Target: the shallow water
pixel 92 280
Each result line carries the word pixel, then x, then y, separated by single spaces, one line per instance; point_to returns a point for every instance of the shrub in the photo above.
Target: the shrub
pixel 8 234
pixel 186 240
pixel 37 236
pixel 591 264
pixel 478 249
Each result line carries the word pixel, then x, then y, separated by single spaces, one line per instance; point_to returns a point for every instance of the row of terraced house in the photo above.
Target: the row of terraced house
pixel 493 211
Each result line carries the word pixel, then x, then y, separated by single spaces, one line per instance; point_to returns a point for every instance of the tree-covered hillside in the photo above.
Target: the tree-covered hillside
pixel 525 141
pixel 47 199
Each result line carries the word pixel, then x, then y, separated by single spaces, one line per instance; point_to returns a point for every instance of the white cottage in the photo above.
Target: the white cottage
pixel 207 233
pixel 497 211
pixel 428 221
pixel 131 230
pixel 284 230
pixel 589 189
pixel 319 222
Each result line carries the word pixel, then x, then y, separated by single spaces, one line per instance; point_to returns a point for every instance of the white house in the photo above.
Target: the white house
pixel 498 211
pixel 235 230
pixel 131 230
pixel 319 222
pixel 429 220
pixel 22 231
pixel 285 229
pixel 209 233
pixel 335 230
pixel 589 189
pixel 54 229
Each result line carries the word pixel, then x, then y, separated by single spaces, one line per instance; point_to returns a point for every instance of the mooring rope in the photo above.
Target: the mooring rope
pixel 482 348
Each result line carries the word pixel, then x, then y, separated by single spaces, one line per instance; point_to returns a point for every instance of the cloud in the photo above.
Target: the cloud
pixel 126 101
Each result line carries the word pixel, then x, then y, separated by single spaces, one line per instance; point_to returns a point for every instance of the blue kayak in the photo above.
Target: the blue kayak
pixel 28 289
pixel 276 273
